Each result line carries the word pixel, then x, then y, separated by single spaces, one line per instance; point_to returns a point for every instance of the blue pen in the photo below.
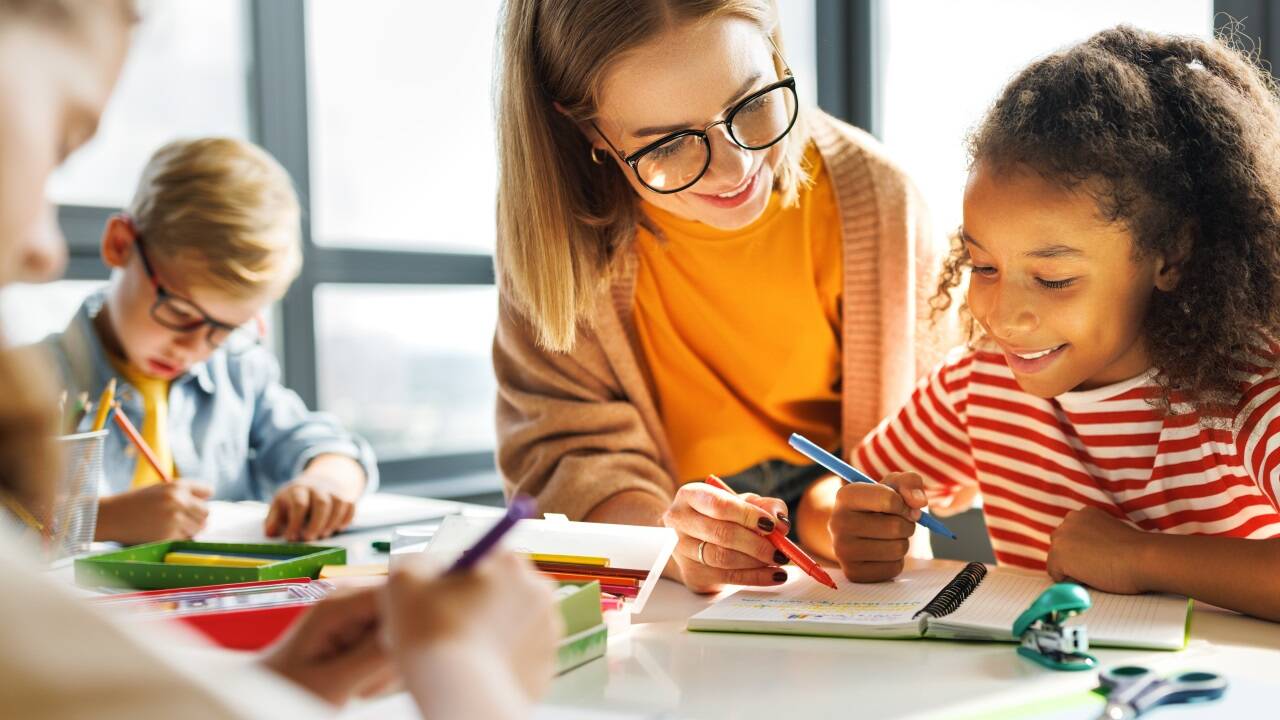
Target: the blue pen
pixel 851 474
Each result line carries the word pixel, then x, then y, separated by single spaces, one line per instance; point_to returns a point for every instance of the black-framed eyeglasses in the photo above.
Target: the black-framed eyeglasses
pixel 182 315
pixel 675 162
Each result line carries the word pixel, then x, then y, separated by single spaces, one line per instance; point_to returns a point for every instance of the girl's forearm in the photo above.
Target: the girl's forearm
pixel 1234 573
pixel 814 514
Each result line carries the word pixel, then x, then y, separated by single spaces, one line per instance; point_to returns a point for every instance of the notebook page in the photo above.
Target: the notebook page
pixel 1145 621
pixel 805 607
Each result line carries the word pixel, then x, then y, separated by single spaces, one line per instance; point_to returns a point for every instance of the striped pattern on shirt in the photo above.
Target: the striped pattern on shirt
pixel 1035 460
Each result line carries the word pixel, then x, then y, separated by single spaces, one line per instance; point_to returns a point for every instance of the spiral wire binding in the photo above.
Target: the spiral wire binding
pixel 951 597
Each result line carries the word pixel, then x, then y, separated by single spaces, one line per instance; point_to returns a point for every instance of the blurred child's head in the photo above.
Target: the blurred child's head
pixel 217 221
pixel 59 60
pixel 1123 212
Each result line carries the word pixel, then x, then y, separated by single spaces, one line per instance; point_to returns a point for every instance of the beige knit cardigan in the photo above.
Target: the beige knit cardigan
pixel 576 428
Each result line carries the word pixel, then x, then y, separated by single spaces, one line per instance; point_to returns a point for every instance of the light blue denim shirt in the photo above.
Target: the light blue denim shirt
pixel 232 424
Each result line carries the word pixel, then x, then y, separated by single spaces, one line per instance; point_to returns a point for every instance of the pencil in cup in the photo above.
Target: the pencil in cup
pixel 850 474
pixel 104 405
pixel 145 450
pixel 784 544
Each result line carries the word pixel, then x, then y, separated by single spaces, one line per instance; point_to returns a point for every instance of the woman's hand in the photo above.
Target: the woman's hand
pixel 723 538
pixel 481 643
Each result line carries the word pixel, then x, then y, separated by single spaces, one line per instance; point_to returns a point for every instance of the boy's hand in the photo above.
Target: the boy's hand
pixel 319 502
pixel 1098 550
pixel 164 511
pixel 871 525
pixel 334 651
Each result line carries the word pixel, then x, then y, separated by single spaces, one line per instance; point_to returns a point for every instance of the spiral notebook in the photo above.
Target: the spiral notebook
pixel 976 603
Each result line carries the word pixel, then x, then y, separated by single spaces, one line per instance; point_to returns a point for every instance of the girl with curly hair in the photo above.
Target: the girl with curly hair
pixel 1118 405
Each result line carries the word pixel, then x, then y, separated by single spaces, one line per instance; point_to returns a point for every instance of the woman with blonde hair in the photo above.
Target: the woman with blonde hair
pixel 693 265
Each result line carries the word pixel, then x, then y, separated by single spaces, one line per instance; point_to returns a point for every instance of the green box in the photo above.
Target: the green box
pixel 143 566
pixel 585 635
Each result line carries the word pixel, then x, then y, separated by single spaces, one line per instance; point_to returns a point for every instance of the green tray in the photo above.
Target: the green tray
pixel 143 567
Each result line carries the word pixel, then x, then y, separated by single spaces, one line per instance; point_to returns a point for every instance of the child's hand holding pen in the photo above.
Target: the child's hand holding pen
pixel 871 525
pixel 165 511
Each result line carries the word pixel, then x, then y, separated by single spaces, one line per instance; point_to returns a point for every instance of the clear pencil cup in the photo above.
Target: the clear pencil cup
pixel 73 515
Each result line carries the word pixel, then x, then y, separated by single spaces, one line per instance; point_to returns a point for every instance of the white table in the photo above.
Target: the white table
pixel 659 670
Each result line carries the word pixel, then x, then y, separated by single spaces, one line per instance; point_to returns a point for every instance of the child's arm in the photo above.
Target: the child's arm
pixel 1106 553
pixel 923 448
pixel 312 467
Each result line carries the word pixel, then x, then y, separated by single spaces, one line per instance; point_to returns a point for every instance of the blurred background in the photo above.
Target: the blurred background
pixel 381 111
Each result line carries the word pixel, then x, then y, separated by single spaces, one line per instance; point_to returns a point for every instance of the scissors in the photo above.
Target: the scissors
pixel 1133 690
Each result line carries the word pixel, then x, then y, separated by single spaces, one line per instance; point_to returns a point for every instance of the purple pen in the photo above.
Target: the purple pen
pixel 521 507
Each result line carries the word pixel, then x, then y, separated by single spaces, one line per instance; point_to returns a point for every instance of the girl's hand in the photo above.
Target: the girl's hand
pixel 1096 549
pixel 493 627
pixel 871 526
pixel 732 532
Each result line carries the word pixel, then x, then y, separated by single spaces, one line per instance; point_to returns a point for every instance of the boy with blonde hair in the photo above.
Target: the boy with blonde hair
pixel 209 242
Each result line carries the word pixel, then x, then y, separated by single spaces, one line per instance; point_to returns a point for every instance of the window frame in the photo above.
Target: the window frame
pixel 278 106
pixel 848 44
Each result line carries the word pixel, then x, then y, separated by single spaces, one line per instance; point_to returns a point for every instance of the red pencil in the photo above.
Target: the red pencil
pixel 141 444
pixel 783 543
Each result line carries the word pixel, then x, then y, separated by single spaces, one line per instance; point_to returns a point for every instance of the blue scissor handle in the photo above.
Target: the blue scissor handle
pixel 1138 689
pixel 1189 687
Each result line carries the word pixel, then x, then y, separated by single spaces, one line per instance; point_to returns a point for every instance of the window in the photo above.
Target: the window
pixel 943 63
pixel 28 313
pixel 186 76
pixel 401 124
pixel 408 366
pixel 799 44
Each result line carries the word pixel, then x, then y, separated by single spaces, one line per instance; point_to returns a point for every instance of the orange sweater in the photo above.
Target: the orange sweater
pixel 741 331
pixel 577 428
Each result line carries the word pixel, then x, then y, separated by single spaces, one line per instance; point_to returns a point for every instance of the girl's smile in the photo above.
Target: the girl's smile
pixel 1062 290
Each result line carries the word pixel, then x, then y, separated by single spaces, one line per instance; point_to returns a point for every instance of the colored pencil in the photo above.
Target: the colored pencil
pixel 571 577
pixel 784 544
pixel 141 444
pixel 231 561
pixel 592 570
pixel 104 405
pixel 620 590
pixel 521 507
pixel 568 559
pixel 21 512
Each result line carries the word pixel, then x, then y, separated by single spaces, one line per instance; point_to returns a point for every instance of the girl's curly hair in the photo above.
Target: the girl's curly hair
pixel 1178 138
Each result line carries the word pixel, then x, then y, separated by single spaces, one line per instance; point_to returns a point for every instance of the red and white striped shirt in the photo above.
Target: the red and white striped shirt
pixel 1034 460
